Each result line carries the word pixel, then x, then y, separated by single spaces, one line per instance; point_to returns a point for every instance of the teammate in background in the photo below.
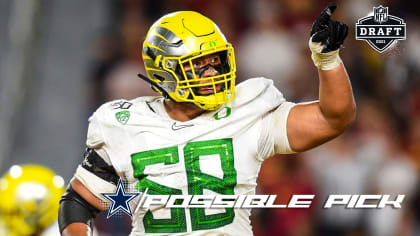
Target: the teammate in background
pixel 204 135
pixel 29 201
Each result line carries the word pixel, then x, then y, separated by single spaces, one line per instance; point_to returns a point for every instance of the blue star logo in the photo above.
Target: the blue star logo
pixel 119 200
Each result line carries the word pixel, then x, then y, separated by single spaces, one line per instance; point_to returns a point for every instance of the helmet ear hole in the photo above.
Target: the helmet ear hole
pixel 149 52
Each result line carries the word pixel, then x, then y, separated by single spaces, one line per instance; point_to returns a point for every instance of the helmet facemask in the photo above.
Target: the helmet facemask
pixel 207 92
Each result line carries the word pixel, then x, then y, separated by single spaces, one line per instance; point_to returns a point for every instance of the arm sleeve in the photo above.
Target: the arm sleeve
pixel 273 139
pixel 74 209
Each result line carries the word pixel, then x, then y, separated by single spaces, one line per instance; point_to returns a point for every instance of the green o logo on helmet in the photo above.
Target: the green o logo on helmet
pixel 212 44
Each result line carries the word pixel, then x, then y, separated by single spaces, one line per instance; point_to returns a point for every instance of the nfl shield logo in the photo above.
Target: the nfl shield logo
pixel 380 14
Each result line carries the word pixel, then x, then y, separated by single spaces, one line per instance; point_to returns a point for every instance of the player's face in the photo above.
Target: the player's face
pixel 209 64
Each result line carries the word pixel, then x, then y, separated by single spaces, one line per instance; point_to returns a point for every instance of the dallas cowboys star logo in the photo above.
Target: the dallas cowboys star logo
pixel 120 200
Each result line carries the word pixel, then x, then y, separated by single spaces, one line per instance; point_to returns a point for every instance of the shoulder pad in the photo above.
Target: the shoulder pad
pixel 114 114
pixel 259 88
pixel 105 116
pixel 120 104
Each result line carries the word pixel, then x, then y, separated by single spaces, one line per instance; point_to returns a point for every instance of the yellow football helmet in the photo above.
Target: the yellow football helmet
pixel 174 43
pixel 29 199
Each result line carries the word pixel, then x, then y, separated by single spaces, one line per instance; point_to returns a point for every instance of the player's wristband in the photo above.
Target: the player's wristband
pixel 324 61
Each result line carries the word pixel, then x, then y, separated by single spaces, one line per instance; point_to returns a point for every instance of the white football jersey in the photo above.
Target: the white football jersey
pixel 218 152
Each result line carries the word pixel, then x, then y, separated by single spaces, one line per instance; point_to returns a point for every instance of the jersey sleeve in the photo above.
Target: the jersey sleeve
pixel 94 137
pixel 273 137
pixel 96 172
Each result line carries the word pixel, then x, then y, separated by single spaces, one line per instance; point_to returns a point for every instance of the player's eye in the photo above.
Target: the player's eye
pixel 196 64
pixel 214 60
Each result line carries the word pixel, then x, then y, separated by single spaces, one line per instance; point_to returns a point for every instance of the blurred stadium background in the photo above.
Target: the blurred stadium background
pixel 61 59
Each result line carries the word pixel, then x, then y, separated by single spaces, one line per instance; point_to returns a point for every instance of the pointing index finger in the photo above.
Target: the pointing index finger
pixel 329 10
pixel 326 13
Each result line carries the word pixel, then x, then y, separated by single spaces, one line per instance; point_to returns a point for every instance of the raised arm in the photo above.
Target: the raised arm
pixel 312 124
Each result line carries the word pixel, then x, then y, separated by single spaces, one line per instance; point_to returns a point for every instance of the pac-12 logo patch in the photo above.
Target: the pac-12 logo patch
pixel 380 30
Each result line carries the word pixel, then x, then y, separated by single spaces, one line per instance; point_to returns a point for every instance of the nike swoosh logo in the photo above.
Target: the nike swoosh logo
pixel 178 127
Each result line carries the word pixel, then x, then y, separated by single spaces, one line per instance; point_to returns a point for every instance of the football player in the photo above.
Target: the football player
pixel 29 201
pixel 204 135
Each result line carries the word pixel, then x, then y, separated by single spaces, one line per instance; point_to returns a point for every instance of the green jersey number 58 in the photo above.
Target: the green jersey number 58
pixel 197 182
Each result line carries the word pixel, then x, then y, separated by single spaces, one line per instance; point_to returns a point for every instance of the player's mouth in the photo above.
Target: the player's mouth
pixel 207 90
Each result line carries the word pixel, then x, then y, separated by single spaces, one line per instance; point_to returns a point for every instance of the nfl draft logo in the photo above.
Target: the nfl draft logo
pixel 380 30
pixel 380 14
